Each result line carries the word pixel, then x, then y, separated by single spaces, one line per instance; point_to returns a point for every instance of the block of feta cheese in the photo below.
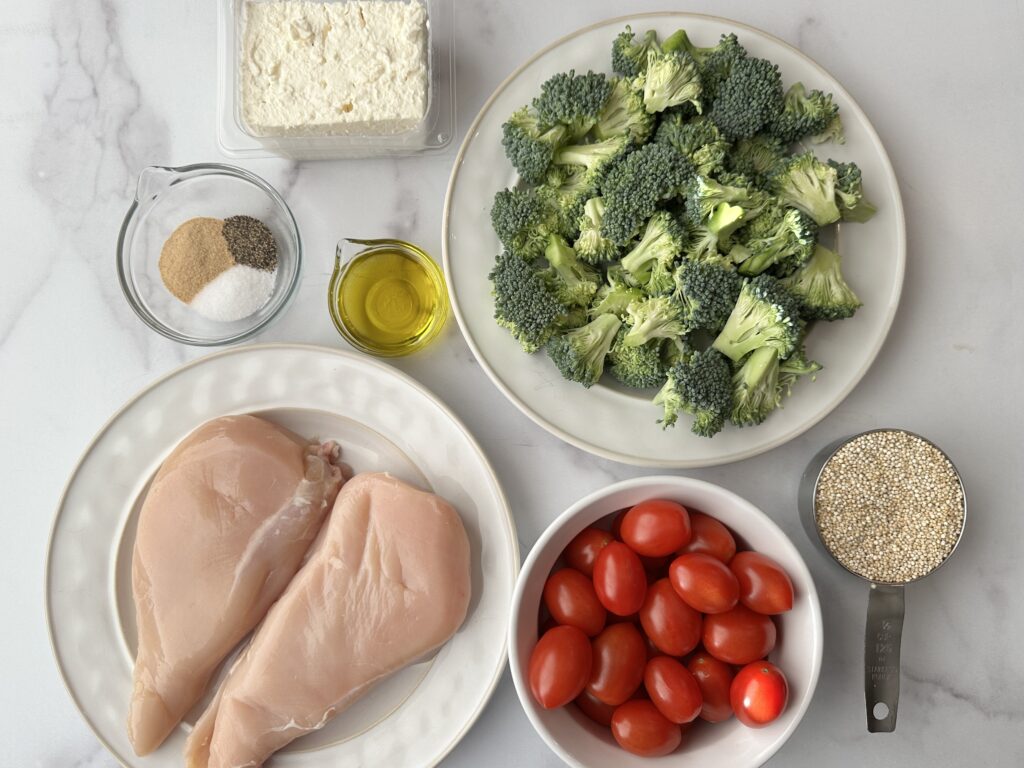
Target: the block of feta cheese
pixel 328 68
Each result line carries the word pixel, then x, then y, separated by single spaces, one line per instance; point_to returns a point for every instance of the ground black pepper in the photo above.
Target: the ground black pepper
pixel 251 242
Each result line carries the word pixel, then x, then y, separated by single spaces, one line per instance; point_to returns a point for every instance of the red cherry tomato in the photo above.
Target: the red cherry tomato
pixel 583 550
pixel 640 728
pixel 595 709
pixel 619 579
pixel 759 694
pixel 672 625
pixel 559 666
pixel 571 598
pixel 714 678
pixel 673 690
pixel 739 636
pixel 619 657
pixel 704 583
pixel 709 537
pixel 656 528
pixel 764 586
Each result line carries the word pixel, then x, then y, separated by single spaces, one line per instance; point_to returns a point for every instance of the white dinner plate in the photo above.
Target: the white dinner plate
pixel 384 421
pixel 611 421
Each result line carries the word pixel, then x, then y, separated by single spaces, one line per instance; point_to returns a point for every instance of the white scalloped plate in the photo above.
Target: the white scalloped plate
pixel 384 421
pixel 613 422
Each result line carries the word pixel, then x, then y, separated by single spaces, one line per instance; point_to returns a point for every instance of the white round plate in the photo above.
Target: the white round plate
pixel 613 422
pixel 384 421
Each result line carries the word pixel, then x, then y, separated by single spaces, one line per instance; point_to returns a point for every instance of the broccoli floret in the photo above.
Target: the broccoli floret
pixel 765 315
pixel 615 299
pixel 755 386
pixel 572 100
pixel 595 157
pixel 748 99
pixel 850 193
pixel 803 114
pixel 705 197
pixel 658 317
pixel 663 240
pixel 708 291
pixel 698 139
pixel 780 238
pixel 573 282
pixel 755 157
pixel 528 146
pixel 636 185
pixel 624 114
pixel 591 245
pixel 820 288
pixel 564 192
pixel 702 387
pixel 638 367
pixel 579 354
pixel 629 55
pixel 671 79
pixel 804 182
pixel 794 367
pixel 713 64
pixel 523 302
pixel 522 221
pixel 832 132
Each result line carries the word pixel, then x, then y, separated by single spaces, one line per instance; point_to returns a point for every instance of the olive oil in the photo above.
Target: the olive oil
pixel 389 299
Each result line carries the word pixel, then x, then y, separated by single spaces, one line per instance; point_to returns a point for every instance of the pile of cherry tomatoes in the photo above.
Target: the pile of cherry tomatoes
pixel 658 622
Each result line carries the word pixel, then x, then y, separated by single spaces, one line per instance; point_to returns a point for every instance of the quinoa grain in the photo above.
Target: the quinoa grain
pixel 889 506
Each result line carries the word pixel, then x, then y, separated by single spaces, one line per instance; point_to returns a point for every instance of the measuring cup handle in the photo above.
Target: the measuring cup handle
pixel 882 656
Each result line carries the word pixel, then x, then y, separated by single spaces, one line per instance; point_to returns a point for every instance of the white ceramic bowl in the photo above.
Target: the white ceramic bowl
pixel 581 742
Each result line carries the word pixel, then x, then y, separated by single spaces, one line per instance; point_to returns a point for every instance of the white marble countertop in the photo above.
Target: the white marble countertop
pixel 95 89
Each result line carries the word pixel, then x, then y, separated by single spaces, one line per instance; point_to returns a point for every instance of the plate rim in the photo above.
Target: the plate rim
pixel 247 348
pixel 594 448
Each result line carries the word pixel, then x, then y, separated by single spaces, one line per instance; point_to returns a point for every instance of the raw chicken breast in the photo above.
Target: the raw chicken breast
pixel 387 583
pixel 222 530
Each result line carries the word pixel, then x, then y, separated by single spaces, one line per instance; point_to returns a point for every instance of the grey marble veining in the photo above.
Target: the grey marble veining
pixel 92 90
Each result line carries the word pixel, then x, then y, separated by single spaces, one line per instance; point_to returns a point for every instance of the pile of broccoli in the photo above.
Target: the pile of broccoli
pixel 666 225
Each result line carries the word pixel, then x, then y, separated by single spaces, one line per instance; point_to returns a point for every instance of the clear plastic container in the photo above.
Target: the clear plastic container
pixel 433 133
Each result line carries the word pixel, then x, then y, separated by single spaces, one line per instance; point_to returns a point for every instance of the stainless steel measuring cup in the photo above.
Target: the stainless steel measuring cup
pixel 884 627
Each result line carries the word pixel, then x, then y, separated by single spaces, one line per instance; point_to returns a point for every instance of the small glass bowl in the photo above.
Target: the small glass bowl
pixel 348 252
pixel 167 197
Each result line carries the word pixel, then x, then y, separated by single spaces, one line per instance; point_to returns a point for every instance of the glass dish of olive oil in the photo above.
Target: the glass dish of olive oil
pixel 386 297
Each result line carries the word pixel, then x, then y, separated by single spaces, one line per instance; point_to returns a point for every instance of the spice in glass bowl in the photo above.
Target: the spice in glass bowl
pixel 889 506
pixel 225 270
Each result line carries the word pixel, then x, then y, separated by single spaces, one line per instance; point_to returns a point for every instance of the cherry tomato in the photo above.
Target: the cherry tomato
pixel 764 585
pixel 709 537
pixel 703 582
pixel 640 728
pixel 672 625
pixel 739 636
pixel 656 528
pixel 672 689
pixel 714 678
pixel 582 551
pixel 619 579
pixel 759 693
pixel 619 656
pixel 571 598
pixel 559 666
pixel 595 709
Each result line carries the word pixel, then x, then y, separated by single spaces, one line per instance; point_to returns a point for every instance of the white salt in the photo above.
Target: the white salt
pixel 235 293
